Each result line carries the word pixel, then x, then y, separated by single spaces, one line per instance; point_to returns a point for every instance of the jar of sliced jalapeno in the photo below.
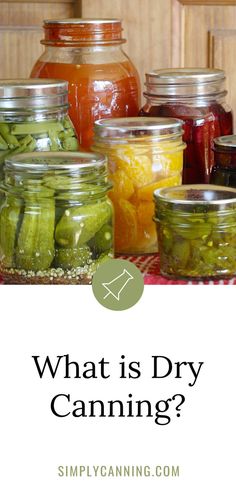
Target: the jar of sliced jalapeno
pixel 34 117
pixel 56 219
pixel 196 231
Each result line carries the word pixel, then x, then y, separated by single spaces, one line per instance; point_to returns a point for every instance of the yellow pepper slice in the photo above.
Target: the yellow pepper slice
pixel 122 185
pixel 146 192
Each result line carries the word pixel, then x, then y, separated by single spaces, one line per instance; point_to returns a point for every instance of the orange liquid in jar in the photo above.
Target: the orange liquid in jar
pixel 95 91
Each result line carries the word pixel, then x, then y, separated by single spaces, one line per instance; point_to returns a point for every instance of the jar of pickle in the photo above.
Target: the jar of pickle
pixel 143 154
pixel 56 219
pixel 224 169
pixel 196 96
pixel 197 231
pixel 34 117
pixel 103 82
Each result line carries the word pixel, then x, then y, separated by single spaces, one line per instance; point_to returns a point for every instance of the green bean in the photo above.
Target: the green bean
pixel 35 127
pixel 54 141
pixel 10 139
pixel 70 144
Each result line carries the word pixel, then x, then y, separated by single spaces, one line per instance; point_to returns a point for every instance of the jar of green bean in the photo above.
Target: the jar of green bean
pixel 56 222
pixel 34 117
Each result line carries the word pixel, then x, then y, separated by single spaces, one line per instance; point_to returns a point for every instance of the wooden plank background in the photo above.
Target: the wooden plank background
pixel 159 33
pixel 21 32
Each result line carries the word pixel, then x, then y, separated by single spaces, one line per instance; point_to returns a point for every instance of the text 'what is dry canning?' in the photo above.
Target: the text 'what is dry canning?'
pixel 63 405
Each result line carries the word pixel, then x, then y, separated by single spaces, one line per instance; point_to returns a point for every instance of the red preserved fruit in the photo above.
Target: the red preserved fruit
pixel 201 126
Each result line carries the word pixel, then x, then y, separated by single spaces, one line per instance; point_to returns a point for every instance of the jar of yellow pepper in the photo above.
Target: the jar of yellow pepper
pixel 144 154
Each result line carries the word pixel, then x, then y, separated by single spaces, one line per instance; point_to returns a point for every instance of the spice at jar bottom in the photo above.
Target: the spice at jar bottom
pixel 56 219
pixel 196 231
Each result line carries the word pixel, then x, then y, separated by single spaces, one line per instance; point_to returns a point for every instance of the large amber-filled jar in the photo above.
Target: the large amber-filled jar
pixel 143 154
pixel 56 218
pixel 103 82
pixel 196 96
pixel 34 117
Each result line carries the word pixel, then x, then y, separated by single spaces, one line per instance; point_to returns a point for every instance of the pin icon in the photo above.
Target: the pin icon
pixel 117 284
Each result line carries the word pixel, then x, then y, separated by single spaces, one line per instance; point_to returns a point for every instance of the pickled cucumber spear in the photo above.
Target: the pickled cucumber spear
pixel 9 219
pixel 35 246
pixel 80 223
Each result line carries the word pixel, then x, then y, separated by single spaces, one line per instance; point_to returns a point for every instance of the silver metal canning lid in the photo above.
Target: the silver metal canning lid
pixel 218 197
pixel 185 81
pixel 225 141
pixel 82 21
pixel 47 161
pixel 34 93
pixel 137 127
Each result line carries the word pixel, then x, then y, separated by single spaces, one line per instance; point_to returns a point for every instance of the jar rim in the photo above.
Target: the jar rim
pixel 137 126
pixel 76 21
pixel 34 93
pixel 184 75
pixel 19 88
pixel 225 141
pixel 47 161
pixel 185 83
pixel 82 32
pixel 197 194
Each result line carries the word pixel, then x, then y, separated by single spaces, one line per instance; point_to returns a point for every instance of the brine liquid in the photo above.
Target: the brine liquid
pixel 95 91
pixel 201 126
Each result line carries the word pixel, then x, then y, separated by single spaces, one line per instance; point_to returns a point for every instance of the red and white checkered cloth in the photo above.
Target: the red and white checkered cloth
pixel 149 265
pixel 150 268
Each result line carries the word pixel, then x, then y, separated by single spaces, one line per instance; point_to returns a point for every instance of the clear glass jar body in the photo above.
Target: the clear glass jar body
pixel 224 169
pixel 103 82
pixel 138 164
pixel 197 237
pixel 202 107
pixel 56 221
pixel 34 117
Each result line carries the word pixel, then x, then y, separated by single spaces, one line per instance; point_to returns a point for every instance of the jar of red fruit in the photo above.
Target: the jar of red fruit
pixel 103 82
pixel 224 169
pixel 196 96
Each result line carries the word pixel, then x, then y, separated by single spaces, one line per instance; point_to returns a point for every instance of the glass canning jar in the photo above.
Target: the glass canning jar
pixel 56 219
pixel 196 96
pixel 143 154
pixel 103 82
pixel 34 117
pixel 196 231
pixel 224 169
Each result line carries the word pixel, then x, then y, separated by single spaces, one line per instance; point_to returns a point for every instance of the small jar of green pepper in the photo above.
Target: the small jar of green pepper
pixel 196 231
pixel 34 117
pixel 56 221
